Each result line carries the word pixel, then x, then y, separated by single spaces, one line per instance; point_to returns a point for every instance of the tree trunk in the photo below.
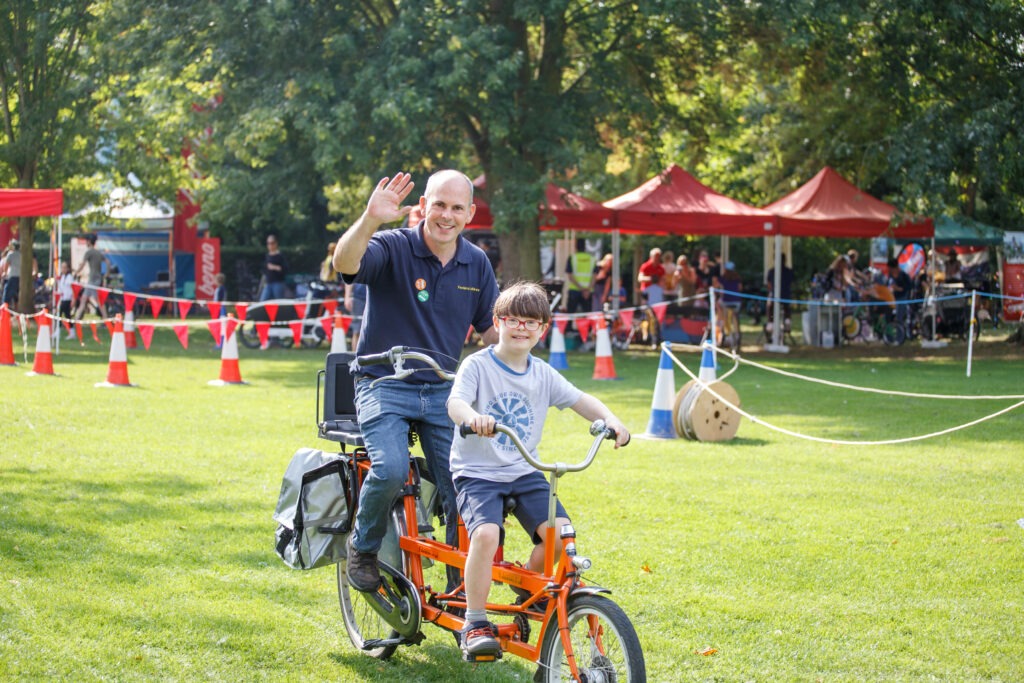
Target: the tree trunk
pixel 520 254
pixel 27 286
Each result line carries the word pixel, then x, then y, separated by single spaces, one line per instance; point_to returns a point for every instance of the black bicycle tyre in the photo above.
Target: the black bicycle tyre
pixel 362 622
pixel 249 336
pixel 621 659
pixel 893 333
pixel 360 619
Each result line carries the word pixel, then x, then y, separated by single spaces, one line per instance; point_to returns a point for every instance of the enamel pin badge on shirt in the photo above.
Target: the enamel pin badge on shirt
pixel 421 285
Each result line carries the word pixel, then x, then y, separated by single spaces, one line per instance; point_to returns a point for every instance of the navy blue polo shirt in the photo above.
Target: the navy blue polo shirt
pixel 411 300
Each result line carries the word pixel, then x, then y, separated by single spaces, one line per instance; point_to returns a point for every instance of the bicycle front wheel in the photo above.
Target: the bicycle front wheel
pixel 363 623
pixel 851 327
pixel 604 644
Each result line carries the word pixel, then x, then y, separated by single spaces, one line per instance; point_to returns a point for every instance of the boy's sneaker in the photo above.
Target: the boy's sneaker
pixel 361 569
pixel 478 638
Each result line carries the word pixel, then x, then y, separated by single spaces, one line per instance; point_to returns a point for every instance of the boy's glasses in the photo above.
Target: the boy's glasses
pixel 516 323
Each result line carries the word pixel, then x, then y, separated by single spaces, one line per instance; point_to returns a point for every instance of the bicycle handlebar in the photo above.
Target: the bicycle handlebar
pixel 396 357
pixel 598 429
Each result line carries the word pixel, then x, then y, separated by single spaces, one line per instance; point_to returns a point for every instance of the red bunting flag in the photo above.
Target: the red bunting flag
pixel 331 305
pixel 296 326
pixel 215 329
pixel 214 307
pixel 110 327
pixel 271 309
pixel 156 303
pixel 102 295
pixel 78 333
pixel 95 334
pixel 583 327
pixel 346 321
pixel 327 323
pixel 76 289
pixel 182 332
pixel 184 306
pixel 562 323
pixel 146 332
pixel 300 311
pixel 626 315
pixel 263 332
pixel 232 323
pixel 659 311
pixel 240 310
pixel 129 301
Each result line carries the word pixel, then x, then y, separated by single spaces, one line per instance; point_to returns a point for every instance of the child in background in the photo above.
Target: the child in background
pixel 220 294
pixel 66 307
pixel 506 383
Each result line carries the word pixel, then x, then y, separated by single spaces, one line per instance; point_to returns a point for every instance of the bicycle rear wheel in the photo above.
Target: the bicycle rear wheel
pixel 363 623
pixel 604 644
pixel 893 333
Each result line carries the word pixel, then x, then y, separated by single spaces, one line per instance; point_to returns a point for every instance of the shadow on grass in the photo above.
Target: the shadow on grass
pixel 433 661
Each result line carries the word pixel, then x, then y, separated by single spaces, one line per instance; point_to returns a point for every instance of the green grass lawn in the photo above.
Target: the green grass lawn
pixel 136 540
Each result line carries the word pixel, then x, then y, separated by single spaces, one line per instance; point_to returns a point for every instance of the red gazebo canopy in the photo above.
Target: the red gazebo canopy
pixel 828 205
pixel 674 202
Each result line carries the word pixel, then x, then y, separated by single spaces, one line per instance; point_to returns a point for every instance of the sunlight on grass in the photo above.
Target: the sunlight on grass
pixel 136 541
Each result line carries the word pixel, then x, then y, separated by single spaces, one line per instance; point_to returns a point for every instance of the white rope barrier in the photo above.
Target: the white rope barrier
pixel 854 387
pixel 842 442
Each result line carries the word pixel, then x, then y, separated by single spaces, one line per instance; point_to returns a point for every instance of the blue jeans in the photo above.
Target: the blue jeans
pixel 385 412
pixel 10 295
pixel 272 290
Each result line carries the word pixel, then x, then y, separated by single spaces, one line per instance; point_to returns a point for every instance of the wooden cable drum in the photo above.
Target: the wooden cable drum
pixel 699 415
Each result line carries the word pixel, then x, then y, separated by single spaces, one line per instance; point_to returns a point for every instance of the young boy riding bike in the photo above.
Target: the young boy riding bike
pixel 506 383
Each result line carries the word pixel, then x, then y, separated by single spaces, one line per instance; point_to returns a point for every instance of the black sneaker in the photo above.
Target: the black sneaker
pixel 478 638
pixel 361 569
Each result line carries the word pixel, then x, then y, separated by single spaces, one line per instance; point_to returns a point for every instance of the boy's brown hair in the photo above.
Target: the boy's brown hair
pixel 523 300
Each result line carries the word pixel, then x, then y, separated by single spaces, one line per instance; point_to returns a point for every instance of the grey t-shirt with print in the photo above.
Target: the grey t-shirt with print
pixel 514 399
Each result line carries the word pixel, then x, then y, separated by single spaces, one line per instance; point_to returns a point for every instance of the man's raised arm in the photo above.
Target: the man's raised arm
pixel 384 206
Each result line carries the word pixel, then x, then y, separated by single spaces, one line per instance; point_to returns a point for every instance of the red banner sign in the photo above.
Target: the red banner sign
pixel 1013 275
pixel 207 266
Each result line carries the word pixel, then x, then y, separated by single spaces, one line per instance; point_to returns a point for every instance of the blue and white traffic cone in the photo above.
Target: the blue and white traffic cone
pixel 557 358
pixel 707 364
pixel 661 425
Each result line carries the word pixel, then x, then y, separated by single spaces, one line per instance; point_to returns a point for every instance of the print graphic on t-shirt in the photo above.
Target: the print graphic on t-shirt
pixel 513 410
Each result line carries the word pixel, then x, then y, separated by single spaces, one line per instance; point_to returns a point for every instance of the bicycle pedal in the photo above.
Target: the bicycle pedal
pixel 475 659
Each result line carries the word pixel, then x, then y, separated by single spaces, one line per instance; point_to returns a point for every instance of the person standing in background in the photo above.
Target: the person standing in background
pixel 602 283
pixel 579 271
pixel 94 258
pixel 66 294
pixel 275 269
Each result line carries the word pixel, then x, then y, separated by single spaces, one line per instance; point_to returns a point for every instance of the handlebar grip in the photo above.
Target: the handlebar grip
pixel 382 358
pixel 466 430
pixel 611 435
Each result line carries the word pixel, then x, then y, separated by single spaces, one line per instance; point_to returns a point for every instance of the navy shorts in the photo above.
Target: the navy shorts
pixel 481 502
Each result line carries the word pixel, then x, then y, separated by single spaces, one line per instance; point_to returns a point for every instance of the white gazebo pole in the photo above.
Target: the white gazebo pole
pixel 970 331
pixel 777 344
pixel 616 274
pixel 712 322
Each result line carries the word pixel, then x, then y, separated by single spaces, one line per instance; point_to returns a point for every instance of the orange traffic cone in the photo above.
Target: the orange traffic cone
pixel 117 374
pixel 6 341
pixel 229 372
pixel 604 366
pixel 338 342
pixel 129 330
pixel 42 364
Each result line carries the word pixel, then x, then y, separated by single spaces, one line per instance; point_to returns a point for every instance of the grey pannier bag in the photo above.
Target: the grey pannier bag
pixel 313 510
